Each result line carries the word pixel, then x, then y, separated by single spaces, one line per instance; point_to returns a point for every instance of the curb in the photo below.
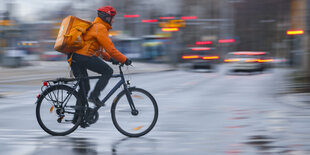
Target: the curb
pixel 149 72
pixel 11 75
pixel 292 100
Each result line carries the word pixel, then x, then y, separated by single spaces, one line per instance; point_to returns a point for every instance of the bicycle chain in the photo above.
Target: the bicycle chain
pixel 92 116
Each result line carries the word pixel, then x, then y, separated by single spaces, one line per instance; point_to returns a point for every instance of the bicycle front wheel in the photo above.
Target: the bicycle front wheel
pixel 59 110
pixel 134 124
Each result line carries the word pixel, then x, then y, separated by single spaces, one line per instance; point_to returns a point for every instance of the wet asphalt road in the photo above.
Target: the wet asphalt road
pixel 200 113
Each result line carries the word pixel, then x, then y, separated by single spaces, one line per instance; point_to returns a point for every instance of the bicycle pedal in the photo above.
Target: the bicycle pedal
pixel 92 116
pixel 96 101
pixel 84 125
pixel 60 119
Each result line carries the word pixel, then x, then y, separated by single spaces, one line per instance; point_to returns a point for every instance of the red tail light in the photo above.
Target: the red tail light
pixel 203 42
pixel 166 17
pixel 131 16
pixel 252 60
pixel 190 57
pixel 266 60
pixel 231 60
pixel 249 53
pixel 44 83
pixel 227 41
pixel 188 17
pixel 38 95
pixel 200 48
pixel 210 57
pixel 149 21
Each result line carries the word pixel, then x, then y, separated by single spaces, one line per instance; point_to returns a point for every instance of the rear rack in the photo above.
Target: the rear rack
pixel 65 80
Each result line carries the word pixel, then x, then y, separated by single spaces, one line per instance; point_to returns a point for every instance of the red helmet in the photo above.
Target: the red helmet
pixel 107 9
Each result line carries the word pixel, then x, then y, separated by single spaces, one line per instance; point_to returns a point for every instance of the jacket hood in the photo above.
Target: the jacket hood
pixel 99 20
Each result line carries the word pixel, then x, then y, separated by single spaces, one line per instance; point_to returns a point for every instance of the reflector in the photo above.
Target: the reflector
pixel 137 128
pixel 52 108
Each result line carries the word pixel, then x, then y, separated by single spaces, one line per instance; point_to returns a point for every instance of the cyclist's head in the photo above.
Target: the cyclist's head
pixel 106 13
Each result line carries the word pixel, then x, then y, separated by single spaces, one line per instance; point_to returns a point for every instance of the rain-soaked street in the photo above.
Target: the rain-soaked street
pixel 199 113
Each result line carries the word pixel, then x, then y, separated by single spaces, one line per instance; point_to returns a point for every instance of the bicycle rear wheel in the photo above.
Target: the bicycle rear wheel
pixel 59 110
pixel 134 125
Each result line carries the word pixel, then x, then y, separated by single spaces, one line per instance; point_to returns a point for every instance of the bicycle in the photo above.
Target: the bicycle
pixel 60 110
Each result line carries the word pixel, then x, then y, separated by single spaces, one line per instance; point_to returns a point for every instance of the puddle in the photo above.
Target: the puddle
pixel 260 140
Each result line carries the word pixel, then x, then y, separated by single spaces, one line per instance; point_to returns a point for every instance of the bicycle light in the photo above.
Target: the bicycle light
pixel 38 95
pixel 44 83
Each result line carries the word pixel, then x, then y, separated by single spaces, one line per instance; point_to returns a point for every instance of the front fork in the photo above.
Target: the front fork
pixel 134 111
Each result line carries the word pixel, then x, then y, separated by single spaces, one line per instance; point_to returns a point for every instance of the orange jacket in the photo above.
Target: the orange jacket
pixel 98 43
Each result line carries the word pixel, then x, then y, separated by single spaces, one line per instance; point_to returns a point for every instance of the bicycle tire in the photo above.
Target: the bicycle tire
pixel 48 95
pixel 121 100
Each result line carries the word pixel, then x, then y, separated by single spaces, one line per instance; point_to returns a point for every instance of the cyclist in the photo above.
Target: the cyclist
pixel 98 46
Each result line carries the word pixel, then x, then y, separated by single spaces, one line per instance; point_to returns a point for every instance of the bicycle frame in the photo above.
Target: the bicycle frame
pixel 117 86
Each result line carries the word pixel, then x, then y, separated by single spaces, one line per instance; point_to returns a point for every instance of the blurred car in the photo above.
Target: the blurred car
pixel 53 56
pixel 201 57
pixel 250 61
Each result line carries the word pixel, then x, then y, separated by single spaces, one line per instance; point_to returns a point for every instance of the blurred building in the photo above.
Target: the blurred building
pixel 224 25
pixel 261 24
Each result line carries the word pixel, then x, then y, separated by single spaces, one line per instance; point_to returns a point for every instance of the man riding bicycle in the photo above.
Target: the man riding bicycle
pixel 98 45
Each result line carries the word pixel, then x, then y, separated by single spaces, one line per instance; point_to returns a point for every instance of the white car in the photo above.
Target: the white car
pixel 201 58
pixel 247 61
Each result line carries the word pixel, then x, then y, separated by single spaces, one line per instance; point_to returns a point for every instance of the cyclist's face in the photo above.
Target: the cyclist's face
pixel 112 21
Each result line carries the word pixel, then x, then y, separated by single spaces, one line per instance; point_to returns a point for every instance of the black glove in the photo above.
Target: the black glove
pixel 128 62
pixel 114 62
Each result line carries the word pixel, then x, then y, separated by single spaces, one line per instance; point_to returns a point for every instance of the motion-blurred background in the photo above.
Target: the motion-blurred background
pixel 189 55
pixel 173 31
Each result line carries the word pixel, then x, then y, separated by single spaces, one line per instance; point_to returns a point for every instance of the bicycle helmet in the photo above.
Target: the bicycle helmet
pixel 106 13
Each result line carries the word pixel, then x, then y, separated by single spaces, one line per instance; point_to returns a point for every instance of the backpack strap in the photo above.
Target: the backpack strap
pixel 69 67
pixel 92 41
pixel 70 59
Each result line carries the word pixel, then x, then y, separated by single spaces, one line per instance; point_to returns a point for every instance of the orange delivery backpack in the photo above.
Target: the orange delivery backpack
pixel 70 35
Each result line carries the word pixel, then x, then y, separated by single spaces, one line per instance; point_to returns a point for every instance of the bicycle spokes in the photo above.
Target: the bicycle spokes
pixel 56 114
pixel 134 117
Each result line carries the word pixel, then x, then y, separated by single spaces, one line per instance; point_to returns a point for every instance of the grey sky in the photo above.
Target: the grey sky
pixel 30 10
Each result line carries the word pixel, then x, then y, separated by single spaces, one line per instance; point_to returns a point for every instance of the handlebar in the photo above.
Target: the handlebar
pixel 122 65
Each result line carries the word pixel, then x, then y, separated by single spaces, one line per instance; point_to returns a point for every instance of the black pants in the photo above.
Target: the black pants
pixel 79 66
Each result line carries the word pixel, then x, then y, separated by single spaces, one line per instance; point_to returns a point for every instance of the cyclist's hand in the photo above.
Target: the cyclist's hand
pixel 114 62
pixel 128 62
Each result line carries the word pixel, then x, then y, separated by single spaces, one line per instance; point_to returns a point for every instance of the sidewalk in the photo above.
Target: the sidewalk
pixel 30 76
pixel 301 100
pixel 287 95
pixel 42 70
